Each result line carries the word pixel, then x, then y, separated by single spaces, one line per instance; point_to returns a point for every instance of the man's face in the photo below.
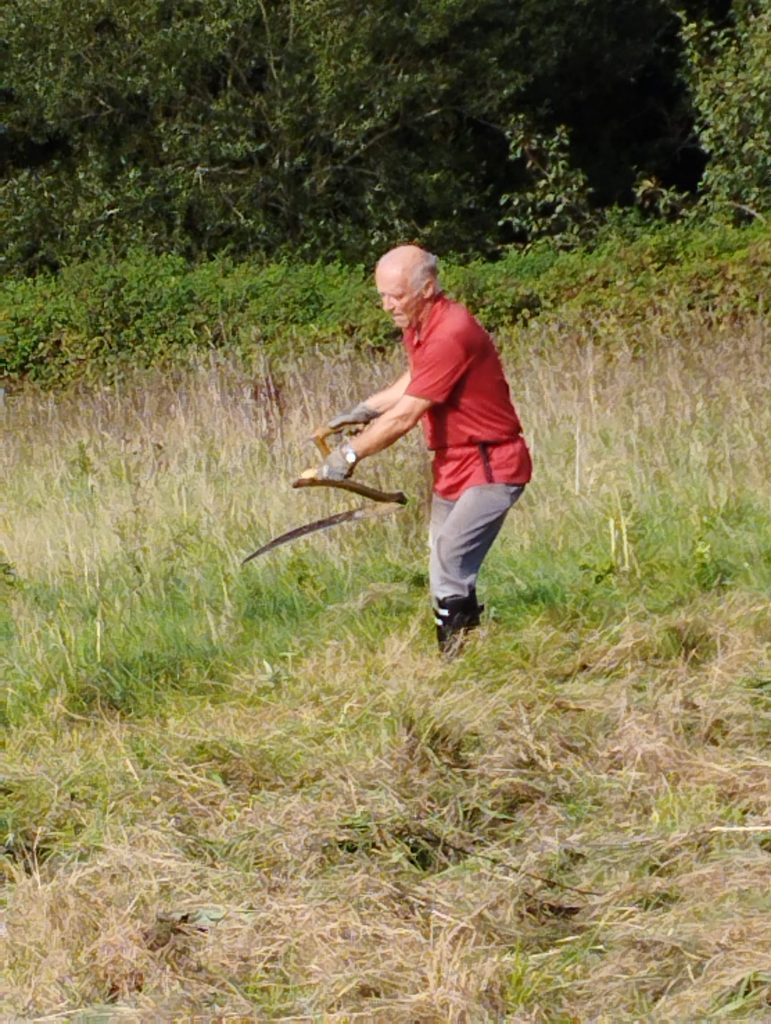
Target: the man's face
pixel 398 298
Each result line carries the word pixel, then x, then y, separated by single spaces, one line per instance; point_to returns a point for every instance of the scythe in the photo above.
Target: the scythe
pixel 390 501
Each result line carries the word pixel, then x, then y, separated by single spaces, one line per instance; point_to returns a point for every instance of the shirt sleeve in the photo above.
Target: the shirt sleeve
pixel 437 367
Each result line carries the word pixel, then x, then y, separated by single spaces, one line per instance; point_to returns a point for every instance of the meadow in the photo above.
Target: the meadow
pixel 256 793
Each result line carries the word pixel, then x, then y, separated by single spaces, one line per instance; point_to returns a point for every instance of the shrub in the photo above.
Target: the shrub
pixel 729 78
pixel 95 320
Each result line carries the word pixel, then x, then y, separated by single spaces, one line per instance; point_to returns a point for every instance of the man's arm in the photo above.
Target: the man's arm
pixel 386 399
pixel 372 407
pixel 388 427
pixel 400 418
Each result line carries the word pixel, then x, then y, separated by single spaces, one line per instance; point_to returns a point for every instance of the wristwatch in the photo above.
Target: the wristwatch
pixel 349 454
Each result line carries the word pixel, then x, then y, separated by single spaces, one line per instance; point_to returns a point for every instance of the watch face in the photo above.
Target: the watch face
pixel 350 455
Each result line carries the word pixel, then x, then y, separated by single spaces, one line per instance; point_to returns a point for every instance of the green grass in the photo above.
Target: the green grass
pixel 256 793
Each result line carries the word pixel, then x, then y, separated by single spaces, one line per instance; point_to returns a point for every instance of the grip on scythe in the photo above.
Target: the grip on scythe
pixel 319 438
pixel 320 435
pixel 309 477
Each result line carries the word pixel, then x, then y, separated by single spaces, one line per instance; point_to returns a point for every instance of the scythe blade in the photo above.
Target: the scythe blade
pixel 351 515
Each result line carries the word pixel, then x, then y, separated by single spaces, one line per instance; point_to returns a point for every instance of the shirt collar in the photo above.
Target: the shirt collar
pixel 419 334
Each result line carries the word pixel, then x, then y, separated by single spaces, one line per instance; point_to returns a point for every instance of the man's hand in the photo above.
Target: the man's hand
pixel 339 464
pixel 360 413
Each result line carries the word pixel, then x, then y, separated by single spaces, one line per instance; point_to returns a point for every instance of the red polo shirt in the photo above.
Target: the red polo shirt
pixel 454 364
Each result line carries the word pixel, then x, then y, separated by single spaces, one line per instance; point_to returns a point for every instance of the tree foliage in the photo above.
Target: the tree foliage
pixel 730 69
pixel 326 126
pixel 234 124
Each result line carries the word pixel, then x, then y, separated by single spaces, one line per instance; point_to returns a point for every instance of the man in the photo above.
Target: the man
pixel 456 387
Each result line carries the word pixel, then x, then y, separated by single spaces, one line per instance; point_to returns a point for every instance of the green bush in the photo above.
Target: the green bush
pixel 96 320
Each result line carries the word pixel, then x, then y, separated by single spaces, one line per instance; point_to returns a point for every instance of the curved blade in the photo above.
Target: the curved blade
pixel 351 515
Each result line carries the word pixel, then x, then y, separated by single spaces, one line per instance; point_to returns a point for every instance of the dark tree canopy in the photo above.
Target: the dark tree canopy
pixel 332 126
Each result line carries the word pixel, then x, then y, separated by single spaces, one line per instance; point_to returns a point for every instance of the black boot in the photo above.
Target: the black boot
pixel 455 617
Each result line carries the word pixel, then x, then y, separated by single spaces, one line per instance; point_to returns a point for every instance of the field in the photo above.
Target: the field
pixel 257 794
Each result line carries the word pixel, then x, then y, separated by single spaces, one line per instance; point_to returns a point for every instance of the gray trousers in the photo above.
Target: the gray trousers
pixel 462 532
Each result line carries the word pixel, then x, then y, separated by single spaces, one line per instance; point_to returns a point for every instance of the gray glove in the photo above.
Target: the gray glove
pixel 360 413
pixel 339 464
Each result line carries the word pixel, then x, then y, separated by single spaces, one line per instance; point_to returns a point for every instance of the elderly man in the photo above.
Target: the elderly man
pixel 456 387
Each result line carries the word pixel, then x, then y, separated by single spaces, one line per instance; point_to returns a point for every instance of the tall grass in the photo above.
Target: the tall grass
pixel 255 792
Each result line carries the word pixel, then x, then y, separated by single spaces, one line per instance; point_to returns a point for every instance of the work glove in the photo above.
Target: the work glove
pixel 339 464
pixel 360 413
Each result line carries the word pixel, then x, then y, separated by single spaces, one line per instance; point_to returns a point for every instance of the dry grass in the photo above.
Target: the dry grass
pixel 303 815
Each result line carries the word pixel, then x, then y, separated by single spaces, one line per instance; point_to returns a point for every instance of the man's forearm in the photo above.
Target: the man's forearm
pixel 389 427
pixel 386 399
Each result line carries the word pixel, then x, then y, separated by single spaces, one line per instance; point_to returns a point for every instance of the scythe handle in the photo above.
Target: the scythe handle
pixel 320 435
pixel 309 479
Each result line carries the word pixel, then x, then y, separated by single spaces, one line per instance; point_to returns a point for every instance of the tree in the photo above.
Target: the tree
pixel 729 73
pixel 325 126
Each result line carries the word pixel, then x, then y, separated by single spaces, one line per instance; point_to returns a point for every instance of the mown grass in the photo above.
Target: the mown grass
pixel 256 793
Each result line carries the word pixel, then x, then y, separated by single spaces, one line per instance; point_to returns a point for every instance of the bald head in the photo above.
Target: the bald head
pixel 415 264
pixel 406 278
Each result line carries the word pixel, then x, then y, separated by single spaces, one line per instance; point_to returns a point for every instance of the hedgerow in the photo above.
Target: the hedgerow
pixel 95 321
